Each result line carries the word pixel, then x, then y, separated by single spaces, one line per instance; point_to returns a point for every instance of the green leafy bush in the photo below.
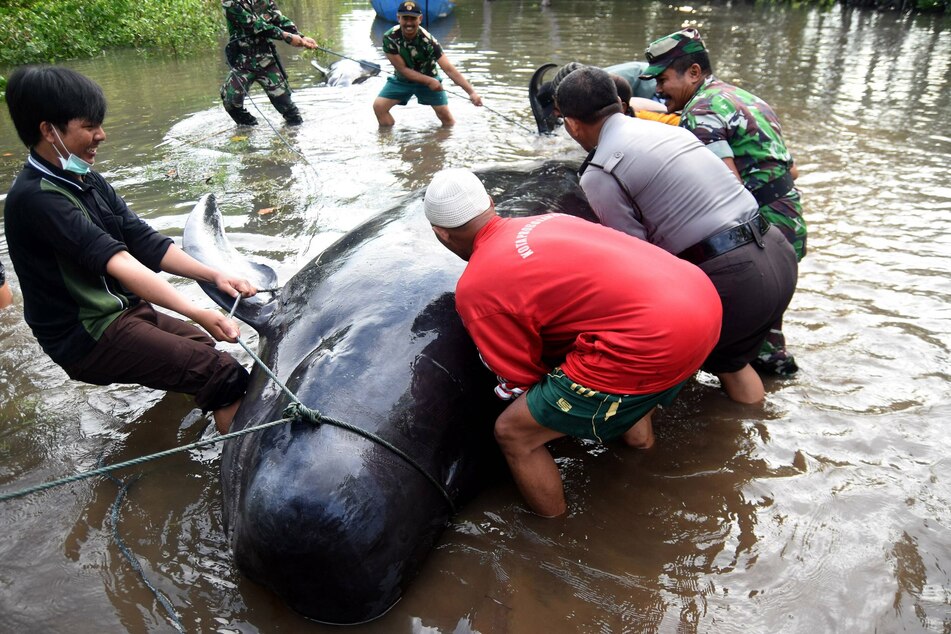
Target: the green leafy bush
pixel 52 30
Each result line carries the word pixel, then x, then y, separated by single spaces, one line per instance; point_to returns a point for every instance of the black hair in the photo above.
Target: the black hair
pixel 682 63
pixel 625 92
pixel 54 94
pixel 587 94
pixel 563 72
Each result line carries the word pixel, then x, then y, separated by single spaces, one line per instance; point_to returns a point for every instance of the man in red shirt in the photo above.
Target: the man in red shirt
pixel 587 328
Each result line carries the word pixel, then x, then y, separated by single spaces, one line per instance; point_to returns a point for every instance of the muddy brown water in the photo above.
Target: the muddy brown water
pixel 827 510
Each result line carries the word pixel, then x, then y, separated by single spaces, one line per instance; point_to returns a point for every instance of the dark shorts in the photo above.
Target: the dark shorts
pixel 556 402
pixel 401 90
pixel 146 347
pixel 755 286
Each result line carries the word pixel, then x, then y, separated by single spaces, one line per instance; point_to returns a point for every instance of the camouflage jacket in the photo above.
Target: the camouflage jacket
pixel 736 124
pixel 252 24
pixel 420 53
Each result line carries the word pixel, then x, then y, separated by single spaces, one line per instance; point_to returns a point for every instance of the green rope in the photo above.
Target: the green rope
pixel 135 461
pixel 295 411
pixel 277 132
pixel 133 560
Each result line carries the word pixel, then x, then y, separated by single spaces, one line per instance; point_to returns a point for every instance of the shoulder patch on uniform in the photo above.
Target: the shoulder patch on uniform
pixel 612 161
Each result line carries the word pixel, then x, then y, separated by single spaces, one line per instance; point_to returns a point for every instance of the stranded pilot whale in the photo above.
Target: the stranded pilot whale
pixel 367 333
pixel 347 72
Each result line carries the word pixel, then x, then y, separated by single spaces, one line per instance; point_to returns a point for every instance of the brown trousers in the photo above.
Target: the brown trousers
pixel 146 347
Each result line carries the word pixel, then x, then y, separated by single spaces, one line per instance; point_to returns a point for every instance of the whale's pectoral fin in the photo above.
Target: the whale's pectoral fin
pixel 205 240
pixel 542 100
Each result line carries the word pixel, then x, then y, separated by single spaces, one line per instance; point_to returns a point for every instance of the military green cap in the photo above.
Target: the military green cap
pixel 662 52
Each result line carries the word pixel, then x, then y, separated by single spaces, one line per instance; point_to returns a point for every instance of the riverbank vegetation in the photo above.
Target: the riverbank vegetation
pixel 51 30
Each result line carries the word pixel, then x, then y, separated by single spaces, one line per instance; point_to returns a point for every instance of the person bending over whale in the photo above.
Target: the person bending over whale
pixel 588 329
pixel 87 265
pixel 639 107
pixel 744 131
pixel 658 183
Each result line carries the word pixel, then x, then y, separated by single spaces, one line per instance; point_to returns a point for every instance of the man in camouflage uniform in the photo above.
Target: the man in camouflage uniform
pixel 743 130
pixel 252 25
pixel 415 55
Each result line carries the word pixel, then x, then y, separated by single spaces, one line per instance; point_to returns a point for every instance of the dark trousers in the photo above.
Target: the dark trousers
pixel 755 286
pixel 146 347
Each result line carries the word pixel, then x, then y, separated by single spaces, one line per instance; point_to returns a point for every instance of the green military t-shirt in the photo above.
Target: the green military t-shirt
pixel 419 53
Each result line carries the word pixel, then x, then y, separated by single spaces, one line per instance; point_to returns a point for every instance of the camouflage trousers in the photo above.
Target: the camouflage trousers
pixel 786 215
pixel 240 79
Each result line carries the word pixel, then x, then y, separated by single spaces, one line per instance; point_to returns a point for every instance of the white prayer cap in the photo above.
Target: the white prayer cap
pixel 454 197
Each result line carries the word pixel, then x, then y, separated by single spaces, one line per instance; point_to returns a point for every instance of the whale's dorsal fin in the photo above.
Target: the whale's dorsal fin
pixel 205 240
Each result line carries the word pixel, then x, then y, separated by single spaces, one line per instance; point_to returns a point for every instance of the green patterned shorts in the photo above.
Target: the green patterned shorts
pixel 401 90
pixel 560 404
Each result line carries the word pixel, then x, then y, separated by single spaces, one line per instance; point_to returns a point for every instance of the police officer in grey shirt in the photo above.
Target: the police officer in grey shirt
pixel 659 183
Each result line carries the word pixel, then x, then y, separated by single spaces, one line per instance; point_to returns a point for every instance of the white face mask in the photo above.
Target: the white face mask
pixel 71 163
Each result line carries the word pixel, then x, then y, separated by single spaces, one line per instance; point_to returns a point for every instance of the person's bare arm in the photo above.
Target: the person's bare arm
pixel 177 262
pixel 151 287
pixel 299 41
pixel 6 295
pixel 413 75
pixel 458 79
pixel 732 165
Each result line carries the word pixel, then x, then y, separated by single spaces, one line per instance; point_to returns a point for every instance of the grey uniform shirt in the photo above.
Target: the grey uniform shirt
pixel 682 192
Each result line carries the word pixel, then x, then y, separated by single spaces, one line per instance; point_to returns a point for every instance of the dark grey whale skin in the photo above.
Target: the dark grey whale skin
pixel 367 333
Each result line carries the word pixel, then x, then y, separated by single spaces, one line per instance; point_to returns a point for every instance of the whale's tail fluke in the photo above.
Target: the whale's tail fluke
pixel 205 240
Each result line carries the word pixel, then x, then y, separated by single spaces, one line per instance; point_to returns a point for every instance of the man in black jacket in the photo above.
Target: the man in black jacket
pixel 88 266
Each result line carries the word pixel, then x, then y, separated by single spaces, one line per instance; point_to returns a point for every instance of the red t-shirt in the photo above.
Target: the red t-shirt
pixel 617 313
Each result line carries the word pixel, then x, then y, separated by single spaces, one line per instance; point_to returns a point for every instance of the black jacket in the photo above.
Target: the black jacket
pixel 61 232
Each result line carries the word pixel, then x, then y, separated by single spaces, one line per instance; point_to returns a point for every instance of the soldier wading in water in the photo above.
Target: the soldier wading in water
pixel 253 25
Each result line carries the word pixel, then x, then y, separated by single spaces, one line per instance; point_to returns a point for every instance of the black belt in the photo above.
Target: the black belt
pixel 773 190
pixel 727 240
